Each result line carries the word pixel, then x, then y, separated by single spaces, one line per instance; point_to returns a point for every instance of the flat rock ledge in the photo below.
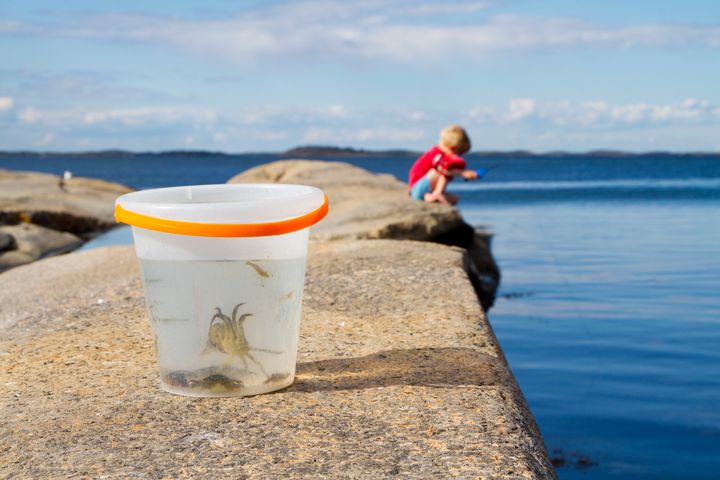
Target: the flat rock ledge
pixel 365 205
pixel 39 217
pixel 392 378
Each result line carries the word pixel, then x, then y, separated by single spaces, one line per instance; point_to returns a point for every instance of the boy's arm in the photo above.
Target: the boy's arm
pixel 466 174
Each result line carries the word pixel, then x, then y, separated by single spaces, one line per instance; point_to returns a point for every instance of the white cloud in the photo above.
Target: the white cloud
pixel 6 103
pixel 597 113
pixel 631 113
pixel 390 31
pixel 689 110
pixel 134 117
pixel 199 120
pixel 273 115
pixel 144 115
pixel 520 108
pixel 483 114
pixel 47 139
pixel 520 120
pixel 335 110
pixel 14 26
pixel 439 9
pixel 28 115
pixel 339 135
pixel 418 116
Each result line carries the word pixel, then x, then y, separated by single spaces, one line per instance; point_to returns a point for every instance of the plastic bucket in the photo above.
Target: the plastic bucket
pixel 223 267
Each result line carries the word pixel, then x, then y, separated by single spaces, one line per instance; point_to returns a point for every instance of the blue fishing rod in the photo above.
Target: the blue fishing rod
pixel 481 172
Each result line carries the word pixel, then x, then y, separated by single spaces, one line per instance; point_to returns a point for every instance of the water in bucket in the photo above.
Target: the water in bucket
pixel 245 315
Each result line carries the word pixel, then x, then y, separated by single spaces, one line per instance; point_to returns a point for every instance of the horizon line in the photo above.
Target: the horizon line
pixel 329 150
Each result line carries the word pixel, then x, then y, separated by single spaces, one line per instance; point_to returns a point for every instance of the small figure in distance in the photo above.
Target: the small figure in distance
pixel 430 174
pixel 64 179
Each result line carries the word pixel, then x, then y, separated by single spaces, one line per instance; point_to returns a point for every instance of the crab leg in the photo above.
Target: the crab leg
pixel 237 321
pixel 265 350
pixel 239 329
pixel 249 355
pixel 218 314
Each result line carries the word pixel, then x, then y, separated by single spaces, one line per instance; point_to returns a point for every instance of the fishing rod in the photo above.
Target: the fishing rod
pixel 491 167
pixel 481 172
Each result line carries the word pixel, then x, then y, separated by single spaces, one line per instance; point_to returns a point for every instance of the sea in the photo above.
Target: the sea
pixel 609 306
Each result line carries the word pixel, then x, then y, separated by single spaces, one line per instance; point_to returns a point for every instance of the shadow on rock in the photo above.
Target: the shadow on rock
pixel 440 367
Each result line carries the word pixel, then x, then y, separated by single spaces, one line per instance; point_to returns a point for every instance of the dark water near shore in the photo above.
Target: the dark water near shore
pixel 609 309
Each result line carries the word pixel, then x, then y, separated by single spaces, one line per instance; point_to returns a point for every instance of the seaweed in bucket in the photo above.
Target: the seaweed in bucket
pixel 277 377
pixel 205 379
pixel 258 269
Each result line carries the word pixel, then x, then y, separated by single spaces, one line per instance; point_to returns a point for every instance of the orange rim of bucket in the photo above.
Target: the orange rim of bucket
pixel 199 229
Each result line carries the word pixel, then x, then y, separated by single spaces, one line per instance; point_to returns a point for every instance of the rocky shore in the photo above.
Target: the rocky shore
pixel 365 205
pixel 39 217
pixel 399 372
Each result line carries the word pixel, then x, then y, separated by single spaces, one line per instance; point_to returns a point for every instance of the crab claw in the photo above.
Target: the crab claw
pixel 235 310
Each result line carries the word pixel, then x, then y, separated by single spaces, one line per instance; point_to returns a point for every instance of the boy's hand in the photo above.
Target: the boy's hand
pixel 469 174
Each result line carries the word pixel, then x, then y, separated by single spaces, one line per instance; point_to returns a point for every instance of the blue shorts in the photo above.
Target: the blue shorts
pixel 420 188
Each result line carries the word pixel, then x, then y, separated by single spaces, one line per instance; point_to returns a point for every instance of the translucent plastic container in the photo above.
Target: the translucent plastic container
pixel 223 268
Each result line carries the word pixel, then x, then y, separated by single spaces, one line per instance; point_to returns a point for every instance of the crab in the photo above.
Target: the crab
pixel 227 335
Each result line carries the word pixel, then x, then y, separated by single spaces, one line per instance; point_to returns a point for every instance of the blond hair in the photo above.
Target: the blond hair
pixel 454 138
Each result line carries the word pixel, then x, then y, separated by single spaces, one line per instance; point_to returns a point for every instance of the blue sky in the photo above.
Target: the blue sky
pixel 266 76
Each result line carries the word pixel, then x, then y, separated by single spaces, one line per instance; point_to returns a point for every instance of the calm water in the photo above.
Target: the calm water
pixel 609 310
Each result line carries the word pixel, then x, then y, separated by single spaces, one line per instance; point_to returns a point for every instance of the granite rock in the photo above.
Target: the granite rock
pixel 362 204
pixel 392 378
pixel 51 218
pixel 31 242
pixel 7 241
pixel 30 192
pixel 365 205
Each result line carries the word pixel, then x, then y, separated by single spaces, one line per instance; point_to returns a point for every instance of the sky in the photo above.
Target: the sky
pixel 265 76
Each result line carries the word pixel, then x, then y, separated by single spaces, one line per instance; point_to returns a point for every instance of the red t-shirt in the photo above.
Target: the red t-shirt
pixel 434 158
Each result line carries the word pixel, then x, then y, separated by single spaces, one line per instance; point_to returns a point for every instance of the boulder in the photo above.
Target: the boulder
pixel 28 192
pixel 7 242
pixel 37 207
pixel 364 205
pixel 392 378
pixel 32 242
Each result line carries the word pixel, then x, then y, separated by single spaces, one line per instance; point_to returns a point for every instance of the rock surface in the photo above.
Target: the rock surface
pixel 38 209
pixel 31 242
pixel 392 378
pixel 7 242
pixel 364 205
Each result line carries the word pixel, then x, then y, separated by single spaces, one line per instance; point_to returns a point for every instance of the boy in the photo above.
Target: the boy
pixel 430 174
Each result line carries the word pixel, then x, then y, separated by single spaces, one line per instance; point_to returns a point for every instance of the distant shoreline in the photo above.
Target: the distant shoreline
pixel 347 152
